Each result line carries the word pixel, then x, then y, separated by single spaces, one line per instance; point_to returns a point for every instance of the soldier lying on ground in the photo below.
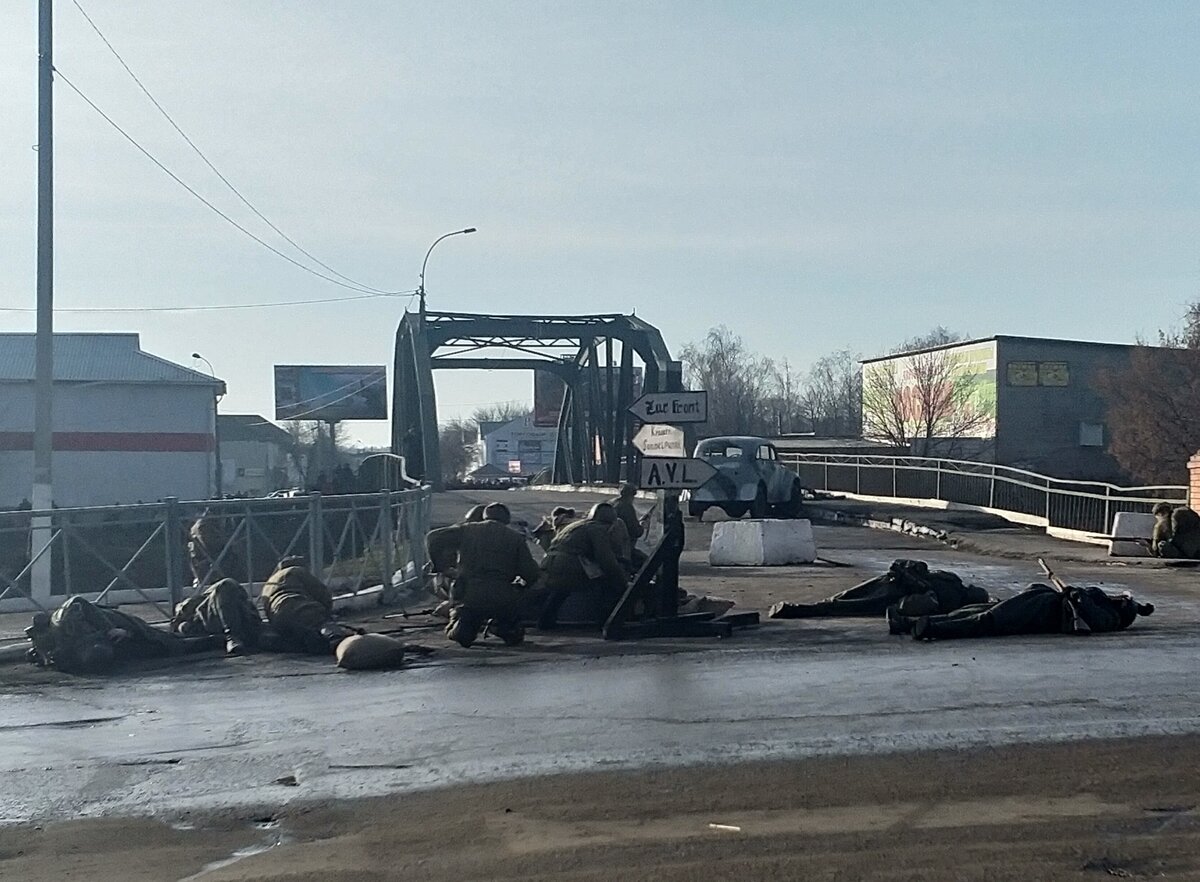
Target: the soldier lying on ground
pixel 489 558
pixel 80 637
pixel 1176 532
pixel 583 553
pixel 1039 609
pixel 223 610
pixel 908 584
pixel 300 609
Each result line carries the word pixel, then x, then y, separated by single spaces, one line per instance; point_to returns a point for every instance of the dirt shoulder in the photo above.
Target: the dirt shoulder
pixel 1086 810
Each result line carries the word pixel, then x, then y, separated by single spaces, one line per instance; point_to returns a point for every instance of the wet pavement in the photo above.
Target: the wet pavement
pixel 267 731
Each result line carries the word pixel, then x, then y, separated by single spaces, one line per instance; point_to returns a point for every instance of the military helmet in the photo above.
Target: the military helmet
pixel 603 512
pixel 474 514
pixel 1163 508
pixel 497 511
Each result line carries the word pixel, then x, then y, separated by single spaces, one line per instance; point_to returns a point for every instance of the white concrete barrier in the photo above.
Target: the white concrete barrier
pixel 761 543
pixel 1128 526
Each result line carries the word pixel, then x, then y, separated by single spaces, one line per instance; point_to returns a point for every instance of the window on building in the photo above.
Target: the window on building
pixel 1053 373
pixel 1022 373
pixel 1091 434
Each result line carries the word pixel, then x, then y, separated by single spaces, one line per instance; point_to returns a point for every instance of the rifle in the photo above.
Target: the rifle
pixel 1078 624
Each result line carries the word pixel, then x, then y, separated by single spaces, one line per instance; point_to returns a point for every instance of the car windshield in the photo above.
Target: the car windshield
pixel 721 451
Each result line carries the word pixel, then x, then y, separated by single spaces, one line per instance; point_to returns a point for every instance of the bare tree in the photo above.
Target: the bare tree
pixel 938 336
pixel 831 398
pixel 500 412
pixel 737 382
pixel 1153 411
pixel 456 444
pixel 925 402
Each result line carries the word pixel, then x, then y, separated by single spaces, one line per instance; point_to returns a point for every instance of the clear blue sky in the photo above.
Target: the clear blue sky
pixel 816 176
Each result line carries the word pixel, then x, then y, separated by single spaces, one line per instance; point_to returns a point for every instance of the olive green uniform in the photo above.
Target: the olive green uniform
pixel 582 552
pixel 627 515
pixel 489 557
pixel 1177 536
pixel 299 606
pixel 206 542
pixel 222 609
pixel 78 625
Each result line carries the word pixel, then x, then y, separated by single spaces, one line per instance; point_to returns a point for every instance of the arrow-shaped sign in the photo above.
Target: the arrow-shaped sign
pixel 674 473
pixel 671 407
pixel 660 440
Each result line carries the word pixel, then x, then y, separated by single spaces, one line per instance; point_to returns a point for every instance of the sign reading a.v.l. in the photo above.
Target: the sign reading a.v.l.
pixel 674 473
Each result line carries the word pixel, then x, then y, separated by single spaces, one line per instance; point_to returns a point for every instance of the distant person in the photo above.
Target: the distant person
pixel 1176 532
pixel 490 558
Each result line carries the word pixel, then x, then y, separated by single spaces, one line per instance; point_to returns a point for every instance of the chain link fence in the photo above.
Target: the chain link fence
pixel 1023 496
pixel 139 553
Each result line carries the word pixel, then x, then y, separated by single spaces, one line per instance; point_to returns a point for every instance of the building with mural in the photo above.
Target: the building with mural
pixel 1028 402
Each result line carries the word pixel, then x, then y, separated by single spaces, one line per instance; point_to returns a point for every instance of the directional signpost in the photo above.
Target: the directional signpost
pixel 660 440
pixel 674 473
pixel 671 407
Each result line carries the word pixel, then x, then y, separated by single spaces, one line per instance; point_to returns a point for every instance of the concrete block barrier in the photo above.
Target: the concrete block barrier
pixel 757 543
pixel 1128 526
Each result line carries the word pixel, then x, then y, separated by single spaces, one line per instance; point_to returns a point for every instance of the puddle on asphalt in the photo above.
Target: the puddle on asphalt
pixel 276 839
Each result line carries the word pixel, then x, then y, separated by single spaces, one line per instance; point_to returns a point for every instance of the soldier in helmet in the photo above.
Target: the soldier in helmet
pixel 583 553
pixel 208 555
pixel 1176 532
pixel 627 514
pixel 299 607
pixel 82 638
pixel 490 558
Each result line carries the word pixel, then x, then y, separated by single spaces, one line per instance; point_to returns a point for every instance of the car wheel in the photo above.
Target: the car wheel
pixel 734 510
pixel 696 510
pixel 759 508
pixel 795 504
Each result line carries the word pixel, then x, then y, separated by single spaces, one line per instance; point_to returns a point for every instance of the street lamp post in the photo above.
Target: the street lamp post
pixel 425 262
pixel 218 475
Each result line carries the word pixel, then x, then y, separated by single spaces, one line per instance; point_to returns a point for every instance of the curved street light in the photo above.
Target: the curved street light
pixel 425 262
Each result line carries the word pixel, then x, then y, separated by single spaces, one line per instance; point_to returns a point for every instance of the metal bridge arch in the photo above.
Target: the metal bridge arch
pixel 594 426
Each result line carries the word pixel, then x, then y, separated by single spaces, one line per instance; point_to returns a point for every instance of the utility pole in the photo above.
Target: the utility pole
pixel 43 375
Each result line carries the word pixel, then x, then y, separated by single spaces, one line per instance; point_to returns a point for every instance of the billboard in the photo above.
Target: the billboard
pixel 548 392
pixel 330 393
pixel 956 383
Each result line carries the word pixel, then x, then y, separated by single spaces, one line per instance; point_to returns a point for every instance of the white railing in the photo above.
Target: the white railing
pixel 139 553
pixel 1022 496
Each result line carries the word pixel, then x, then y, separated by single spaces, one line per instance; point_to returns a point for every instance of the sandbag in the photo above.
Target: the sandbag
pixel 364 652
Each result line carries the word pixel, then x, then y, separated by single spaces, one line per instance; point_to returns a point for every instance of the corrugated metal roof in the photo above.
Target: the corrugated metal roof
pixel 113 358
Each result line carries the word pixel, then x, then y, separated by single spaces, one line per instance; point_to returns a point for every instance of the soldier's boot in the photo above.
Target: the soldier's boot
pixel 936 628
pixel 784 610
pixel 899 624
pixel 510 631
pixel 233 645
pixel 463 628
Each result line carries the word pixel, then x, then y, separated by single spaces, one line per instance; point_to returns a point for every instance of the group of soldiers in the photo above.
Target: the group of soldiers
pixel 938 605
pixel 496 584
pixel 1176 532
pixel 81 636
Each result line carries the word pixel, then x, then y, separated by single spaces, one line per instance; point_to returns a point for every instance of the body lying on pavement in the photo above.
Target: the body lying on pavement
pixel 908 584
pixel 225 610
pixel 82 638
pixel 1039 609
pixel 299 607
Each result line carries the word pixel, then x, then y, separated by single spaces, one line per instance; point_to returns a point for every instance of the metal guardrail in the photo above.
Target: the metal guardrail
pixel 1026 497
pixel 139 553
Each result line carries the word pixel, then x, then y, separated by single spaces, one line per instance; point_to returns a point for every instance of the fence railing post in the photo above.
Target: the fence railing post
pixel 938 491
pixel 894 494
pixel 1108 524
pixel 316 534
pixel 173 542
pixel 386 542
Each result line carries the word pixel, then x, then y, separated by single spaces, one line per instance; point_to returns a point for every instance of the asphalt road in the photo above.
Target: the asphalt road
pixel 215 734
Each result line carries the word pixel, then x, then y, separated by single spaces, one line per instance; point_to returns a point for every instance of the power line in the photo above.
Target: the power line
pixel 208 204
pixel 213 168
pixel 207 307
pixel 350 394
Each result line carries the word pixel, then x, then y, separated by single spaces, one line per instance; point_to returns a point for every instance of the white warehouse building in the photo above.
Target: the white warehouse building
pixel 128 426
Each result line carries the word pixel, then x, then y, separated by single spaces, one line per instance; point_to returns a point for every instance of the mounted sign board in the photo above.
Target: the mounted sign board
pixel 660 440
pixel 330 392
pixel 671 407
pixel 674 473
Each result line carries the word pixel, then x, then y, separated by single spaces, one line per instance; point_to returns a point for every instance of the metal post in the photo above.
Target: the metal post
pixel 857 475
pixel 992 489
pixel 173 540
pixel 939 479
pixel 316 535
pixel 893 477
pixel 1108 524
pixel 43 375
pixel 246 525
pixel 386 541
pixel 668 595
